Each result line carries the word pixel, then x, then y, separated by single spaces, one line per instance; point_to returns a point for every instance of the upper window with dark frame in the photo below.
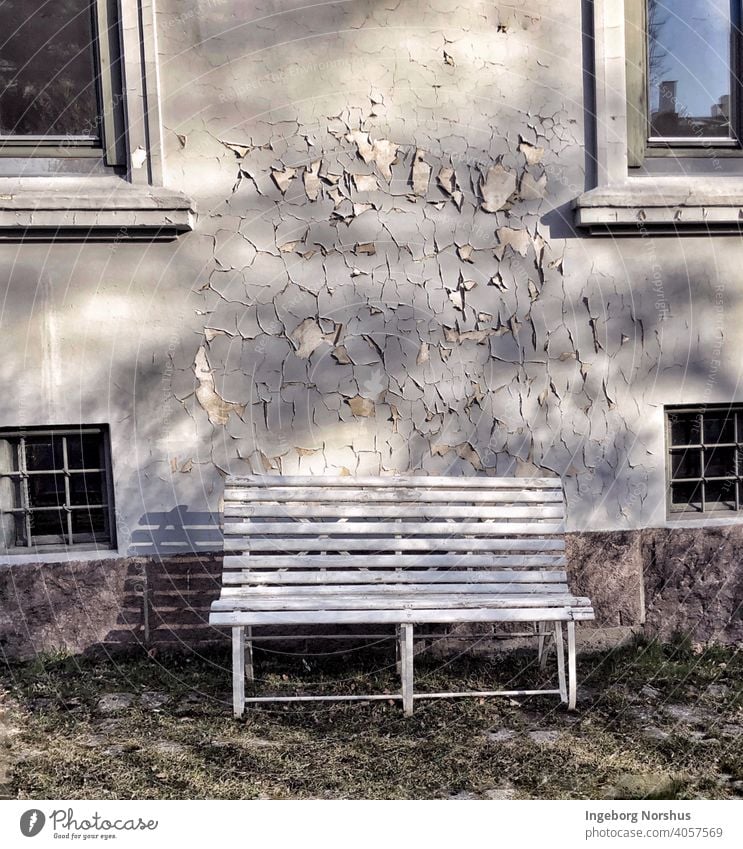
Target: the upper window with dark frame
pixel 705 459
pixel 60 79
pixel 55 489
pixel 683 77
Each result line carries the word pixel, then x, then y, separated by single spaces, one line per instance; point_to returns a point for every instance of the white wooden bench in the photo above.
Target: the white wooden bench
pixel 401 551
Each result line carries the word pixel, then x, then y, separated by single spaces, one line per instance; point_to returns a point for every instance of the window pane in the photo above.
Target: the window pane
pixel 719 462
pixel 48 523
pixel 687 463
pixel 719 427
pixel 720 495
pixel 46 490
pixel 44 454
pixel 83 452
pixel 47 71
pixel 685 428
pixel 88 522
pixel 686 496
pixel 86 489
pixel 689 70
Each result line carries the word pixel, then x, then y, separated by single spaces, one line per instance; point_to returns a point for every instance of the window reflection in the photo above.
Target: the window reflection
pixel 689 62
pixel 47 72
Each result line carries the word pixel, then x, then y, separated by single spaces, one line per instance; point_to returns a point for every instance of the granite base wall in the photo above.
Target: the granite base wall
pixel 659 581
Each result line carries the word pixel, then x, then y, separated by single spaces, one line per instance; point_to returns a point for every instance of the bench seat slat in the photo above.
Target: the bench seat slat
pixel 365 576
pixel 414 529
pixel 419 481
pixel 393 561
pixel 396 616
pixel 372 496
pixel 374 590
pixel 300 510
pixel 371 528
pixel 278 544
pixel 418 602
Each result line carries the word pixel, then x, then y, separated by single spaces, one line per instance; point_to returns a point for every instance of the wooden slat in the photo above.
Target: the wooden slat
pixel 300 510
pixel 417 529
pixel 418 481
pixel 441 601
pixel 364 576
pixel 392 561
pixel 392 617
pixel 387 590
pixel 417 496
pixel 376 544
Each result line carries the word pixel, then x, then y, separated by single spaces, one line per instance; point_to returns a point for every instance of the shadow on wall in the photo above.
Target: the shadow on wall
pixel 176 531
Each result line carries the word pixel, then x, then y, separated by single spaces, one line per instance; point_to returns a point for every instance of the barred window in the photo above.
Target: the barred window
pixel 705 449
pixel 55 489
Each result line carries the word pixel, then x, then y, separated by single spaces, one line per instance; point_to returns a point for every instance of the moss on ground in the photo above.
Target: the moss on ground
pixel 654 721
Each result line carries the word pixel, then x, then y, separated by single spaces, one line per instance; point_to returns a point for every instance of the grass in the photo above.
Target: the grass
pixel 654 721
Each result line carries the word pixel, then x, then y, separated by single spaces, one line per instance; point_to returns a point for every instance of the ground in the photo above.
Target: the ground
pixel 656 721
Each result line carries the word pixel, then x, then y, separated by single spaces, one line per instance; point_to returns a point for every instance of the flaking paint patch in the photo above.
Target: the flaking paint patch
pixel 398 304
pixel 217 409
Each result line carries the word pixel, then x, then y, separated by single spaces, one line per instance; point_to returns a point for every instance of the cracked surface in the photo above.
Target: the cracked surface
pixel 382 277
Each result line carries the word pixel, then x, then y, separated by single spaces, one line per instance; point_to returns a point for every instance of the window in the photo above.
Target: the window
pixel 682 79
pixel 705 459
pixel 79 98
pixel 55 489
pixel 60 81
pixel 666 105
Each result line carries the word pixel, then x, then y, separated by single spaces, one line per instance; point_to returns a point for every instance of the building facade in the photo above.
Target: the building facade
pixel 432 237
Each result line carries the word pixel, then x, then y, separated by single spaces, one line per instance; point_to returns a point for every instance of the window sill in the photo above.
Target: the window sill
pixel 33 556
pixel 703 520
pixel 663 206
pixel 71 209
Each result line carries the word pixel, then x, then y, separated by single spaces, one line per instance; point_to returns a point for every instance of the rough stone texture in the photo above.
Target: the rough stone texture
pixel 107 605
pixel 692 580
pixel 608 568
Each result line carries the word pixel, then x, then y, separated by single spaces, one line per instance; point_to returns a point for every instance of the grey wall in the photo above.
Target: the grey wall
pixel 383 276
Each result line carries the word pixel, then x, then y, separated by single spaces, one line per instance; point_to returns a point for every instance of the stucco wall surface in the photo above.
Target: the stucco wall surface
pixel 383 276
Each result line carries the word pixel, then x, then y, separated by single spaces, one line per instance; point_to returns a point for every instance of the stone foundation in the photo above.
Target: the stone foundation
pixel 661 581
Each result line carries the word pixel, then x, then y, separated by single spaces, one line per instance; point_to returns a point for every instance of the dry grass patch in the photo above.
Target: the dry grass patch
pixel 660 721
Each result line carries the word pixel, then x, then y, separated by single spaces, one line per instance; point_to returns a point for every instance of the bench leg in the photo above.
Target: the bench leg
pixel 542 649
pixel 572 677
pixel 406 656
pixel 398 652
pixel 249 669
pixel 238 671
pixel 560 649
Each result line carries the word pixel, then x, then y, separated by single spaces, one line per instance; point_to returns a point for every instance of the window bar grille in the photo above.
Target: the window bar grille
pixel 67 494
pixel 25 499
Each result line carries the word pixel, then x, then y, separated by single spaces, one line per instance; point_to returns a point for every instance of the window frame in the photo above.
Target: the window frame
pixel 110 145
pixel 640 145
pixel 109 204
pixel 56 543
pixel 734 410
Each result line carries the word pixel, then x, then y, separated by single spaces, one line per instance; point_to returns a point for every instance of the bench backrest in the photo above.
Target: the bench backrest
pixel 503 533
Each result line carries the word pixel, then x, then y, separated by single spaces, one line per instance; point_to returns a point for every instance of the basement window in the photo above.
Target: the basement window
pixel 55 489
pixel 705 459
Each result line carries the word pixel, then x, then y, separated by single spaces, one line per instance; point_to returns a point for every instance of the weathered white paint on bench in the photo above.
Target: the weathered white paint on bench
pixel 400 551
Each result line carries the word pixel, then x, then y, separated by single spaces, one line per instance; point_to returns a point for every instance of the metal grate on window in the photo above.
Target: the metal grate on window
pixel 705 459
pixel 54 488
